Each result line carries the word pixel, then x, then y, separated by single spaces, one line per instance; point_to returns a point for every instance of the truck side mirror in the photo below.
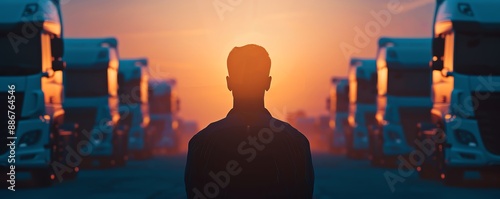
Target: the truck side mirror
pixel 437 65
pixel 437 62
pixel 58 65
pixel 57 45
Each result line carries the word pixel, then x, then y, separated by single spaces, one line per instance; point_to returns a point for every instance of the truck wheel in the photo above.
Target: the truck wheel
pixel 376 159
pixel 117 151
pixel 107 162
pixel 452 176
pixel 349 144
pixel 376 151
pixel 426 172
pixel 429 169
pixel 145 154
pixel 449 176
pixel 121 159
pixel 73 175
pixel 490 176
pixel 70 142
pixel 120 151
pixel 86 163
pixel 43 177
pixel 351 154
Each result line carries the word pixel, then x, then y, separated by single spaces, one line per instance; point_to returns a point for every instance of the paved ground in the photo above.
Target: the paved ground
pixel 162 177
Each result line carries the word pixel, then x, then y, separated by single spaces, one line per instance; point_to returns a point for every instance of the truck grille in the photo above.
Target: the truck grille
pixel 4 118
pixel 488 119
pixel 410 117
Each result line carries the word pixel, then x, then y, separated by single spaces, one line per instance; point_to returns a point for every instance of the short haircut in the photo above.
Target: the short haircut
pixel 250 61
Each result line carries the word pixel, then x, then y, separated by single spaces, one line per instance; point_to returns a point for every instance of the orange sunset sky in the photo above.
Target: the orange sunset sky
pixel 190 40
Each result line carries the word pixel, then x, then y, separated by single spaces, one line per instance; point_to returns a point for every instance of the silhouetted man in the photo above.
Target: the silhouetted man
pixel 249 154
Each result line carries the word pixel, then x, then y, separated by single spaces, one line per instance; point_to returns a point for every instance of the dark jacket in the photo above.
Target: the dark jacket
pixel 249 155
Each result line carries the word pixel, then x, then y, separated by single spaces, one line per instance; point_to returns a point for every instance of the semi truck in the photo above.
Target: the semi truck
pixel 464 130
pixel 404 100
pixel 339 112
pixel 379 155
pixel 163 103
pixel 362 105
pixel 91 99
pixel 31 83
pixel 134 106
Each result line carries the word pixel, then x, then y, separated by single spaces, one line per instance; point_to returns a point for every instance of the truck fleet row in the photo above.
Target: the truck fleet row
pixel 436 96
pixel 74 102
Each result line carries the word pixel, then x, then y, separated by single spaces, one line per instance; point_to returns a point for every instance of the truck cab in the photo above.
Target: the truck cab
pixel 362 105
pixel 404 100
pixel 31 50
pixel 91 99
pixel 163 103
pixel 466 91
pixel 134 106
pixel 339 112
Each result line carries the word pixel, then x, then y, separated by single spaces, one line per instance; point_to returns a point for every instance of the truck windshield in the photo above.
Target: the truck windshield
pixel 342 102
pixel 82 83
pixel 367 90
pixel 476 54
pixel 409 83
pixel 160 104
pixel 20 59
pixel 129 91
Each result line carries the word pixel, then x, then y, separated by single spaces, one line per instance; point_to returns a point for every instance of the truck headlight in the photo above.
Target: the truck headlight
pixel 465 138
pixel 30 138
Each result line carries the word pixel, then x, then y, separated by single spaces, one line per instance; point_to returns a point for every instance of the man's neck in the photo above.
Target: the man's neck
pixel 248 105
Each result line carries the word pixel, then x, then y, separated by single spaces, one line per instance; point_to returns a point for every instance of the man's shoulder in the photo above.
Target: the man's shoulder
pixel 212 127
pixel 276 125
pixel 285 127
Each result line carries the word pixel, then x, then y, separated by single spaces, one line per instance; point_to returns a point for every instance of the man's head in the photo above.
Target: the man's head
pixel 248 67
